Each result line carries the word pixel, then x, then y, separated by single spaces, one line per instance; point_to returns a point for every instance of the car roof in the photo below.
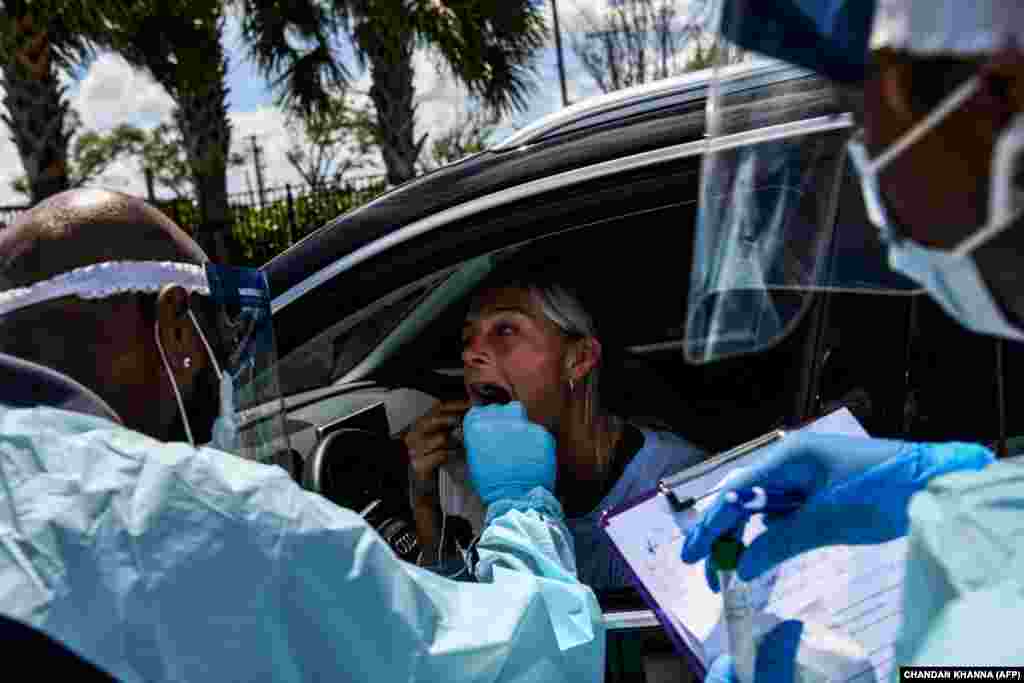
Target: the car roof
pixel 596 130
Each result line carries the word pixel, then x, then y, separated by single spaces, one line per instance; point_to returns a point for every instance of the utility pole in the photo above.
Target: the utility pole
pixel 248 182
pixel 558 49
pixel 259 168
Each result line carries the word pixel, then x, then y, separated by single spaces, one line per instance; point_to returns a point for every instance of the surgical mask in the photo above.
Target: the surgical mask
pixel 951 277
pixel 225 435
pixel 225 426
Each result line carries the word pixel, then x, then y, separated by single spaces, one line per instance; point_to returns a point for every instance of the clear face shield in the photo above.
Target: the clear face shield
pixel 250 417
pixel 780 210
pixel 237 400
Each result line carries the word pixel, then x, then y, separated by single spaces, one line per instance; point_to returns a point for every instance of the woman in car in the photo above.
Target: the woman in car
pixel 529 338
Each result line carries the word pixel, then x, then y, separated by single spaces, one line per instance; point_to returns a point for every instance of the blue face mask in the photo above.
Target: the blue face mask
pixel 952 278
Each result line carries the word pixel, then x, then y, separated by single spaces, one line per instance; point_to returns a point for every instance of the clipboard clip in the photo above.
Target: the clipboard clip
pixel 683 504
pixel 678 505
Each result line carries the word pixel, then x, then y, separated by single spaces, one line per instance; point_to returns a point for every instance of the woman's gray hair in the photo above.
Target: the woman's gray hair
pixel 566 311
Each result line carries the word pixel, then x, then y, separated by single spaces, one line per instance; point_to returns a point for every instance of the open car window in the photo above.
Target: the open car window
pixel 329 356
pixel 627 269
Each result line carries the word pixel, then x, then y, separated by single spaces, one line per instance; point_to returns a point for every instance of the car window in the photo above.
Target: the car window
pixel 327 357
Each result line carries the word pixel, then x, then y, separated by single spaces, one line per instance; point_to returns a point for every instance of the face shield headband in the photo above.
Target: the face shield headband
pixel 242 332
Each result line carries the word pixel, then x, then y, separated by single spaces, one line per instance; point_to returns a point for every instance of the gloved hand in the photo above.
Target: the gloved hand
pixel 722 670
pixel 857 491
pixel 776 657
pixel 508 455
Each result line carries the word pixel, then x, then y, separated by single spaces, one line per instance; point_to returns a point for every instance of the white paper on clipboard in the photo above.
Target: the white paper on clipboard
pixel 853 589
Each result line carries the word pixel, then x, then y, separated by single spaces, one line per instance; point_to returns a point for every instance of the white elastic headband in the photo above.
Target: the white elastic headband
pixel 948 27
pixel 111 278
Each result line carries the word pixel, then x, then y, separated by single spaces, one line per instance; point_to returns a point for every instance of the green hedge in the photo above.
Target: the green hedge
pixel 260 233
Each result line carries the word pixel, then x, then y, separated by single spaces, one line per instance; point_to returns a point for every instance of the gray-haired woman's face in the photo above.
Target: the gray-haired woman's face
pixel 510 347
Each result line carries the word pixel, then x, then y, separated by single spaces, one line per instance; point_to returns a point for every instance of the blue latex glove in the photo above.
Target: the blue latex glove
pixel 722 671
pixel 508 455
pixel 776 657
pixel 857 491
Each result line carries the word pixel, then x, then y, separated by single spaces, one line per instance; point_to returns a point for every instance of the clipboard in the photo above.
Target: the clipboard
pixel 841 587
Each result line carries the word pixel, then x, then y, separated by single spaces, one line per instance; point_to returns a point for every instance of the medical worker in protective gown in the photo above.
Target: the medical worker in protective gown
pixel 157 558
pixel 938 153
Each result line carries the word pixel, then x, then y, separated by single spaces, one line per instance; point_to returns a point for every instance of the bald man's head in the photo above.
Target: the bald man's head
pixel 106 344
pixel 82 227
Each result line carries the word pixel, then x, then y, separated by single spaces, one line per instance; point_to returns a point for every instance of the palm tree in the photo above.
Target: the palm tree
pixel 39 40
pixel 489 45
pixel 179 42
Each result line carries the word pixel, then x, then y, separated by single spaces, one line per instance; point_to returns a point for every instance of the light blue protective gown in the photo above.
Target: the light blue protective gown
pixel 158 561
pixel 964 589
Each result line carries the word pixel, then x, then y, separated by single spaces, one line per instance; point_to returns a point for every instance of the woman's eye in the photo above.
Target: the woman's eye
pixel 504 329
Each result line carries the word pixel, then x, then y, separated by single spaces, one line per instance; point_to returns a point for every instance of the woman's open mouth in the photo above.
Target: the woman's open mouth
pixel 484 393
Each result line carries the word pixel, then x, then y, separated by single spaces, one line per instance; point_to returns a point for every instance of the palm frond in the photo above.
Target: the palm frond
pixel 291 43
pixel 490 45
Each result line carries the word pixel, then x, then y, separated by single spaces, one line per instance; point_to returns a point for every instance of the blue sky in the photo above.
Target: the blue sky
pixel 109 92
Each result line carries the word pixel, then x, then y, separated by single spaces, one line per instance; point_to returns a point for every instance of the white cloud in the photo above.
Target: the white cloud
pixel 575 15
pixel 113 92
pixel 440 98
pixel 10 168
pixel 124 175
pixel 267 124
pixel 274 140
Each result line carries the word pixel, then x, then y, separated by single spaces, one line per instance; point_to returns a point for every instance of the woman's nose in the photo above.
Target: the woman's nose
pixel 475 351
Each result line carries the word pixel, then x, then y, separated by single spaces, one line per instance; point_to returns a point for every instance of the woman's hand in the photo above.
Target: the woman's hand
pixel 430 443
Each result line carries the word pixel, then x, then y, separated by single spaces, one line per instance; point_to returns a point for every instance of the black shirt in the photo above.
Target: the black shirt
pixel 579 500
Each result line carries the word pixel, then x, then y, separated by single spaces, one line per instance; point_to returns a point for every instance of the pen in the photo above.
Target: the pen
pixel 761 499
pixel 682 504
pixel 755 499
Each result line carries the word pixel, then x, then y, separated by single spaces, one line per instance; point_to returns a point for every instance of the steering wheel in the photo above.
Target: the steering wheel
pixel 366 472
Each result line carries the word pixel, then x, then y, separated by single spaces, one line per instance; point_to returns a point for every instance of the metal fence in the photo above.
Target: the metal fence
pixel 265 224
pixel 254 198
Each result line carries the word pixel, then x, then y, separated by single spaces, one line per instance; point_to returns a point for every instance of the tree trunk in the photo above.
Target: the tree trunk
pixel 37 115
pixel 389 53
pixel 202 119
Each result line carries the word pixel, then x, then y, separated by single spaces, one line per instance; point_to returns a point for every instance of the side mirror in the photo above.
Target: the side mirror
pixel 366 472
